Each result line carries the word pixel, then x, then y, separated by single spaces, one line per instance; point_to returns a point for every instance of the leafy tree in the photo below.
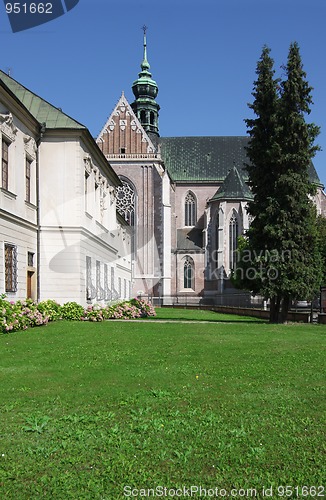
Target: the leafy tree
pixel 282 243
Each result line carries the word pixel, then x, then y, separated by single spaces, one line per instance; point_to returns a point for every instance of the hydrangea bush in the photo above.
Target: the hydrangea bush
pixel 25 314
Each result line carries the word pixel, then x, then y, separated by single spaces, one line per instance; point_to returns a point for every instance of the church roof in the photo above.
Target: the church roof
pixel 208 159
pixel 202 159
pixel 40 109
pixel 233 188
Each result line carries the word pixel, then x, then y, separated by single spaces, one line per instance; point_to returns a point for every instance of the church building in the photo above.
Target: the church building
pixel 184 197
pixel 128 213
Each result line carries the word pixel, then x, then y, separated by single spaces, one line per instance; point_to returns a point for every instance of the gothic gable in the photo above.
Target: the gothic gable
pixel 123 134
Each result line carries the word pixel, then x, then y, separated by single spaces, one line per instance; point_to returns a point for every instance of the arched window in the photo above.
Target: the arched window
pixel 152 118
pixel 233 238
pixel 217 233
pixel 143 116
pixel 189 274
pixel 190 210
pixel 126 202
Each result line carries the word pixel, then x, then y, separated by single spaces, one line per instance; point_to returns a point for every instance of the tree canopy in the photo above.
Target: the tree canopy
pixel 281 247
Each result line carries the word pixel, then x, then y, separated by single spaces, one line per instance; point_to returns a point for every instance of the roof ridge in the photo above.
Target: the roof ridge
pixel 12 82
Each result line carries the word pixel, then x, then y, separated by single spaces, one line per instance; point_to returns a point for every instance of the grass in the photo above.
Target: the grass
pixel 87 409
pixel 183 314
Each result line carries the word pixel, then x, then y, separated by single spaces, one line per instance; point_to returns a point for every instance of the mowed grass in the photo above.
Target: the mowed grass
pixel 184 314
pixel 89 409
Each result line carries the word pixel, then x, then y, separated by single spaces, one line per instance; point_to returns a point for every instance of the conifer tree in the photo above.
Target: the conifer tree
pixel 282 240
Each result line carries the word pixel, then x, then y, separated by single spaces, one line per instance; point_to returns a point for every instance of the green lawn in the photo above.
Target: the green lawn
pixel 183 314
pixel 87 409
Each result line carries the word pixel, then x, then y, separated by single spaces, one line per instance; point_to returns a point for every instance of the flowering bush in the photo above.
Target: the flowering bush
pixel 72 311
pixel 50 308
pixel 146 308
pixel 21 315
pixel 131 309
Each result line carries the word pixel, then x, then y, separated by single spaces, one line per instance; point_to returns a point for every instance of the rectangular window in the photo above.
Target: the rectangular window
pixel 106 279
pixel 4 165
pixel 28 180
pixel 10 267
pixel 30 259
pixel 112 279
pixel 98 278
pixel 89 285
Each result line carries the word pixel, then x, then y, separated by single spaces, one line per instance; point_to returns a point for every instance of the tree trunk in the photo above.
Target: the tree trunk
pixel 285 308
pixel 274 314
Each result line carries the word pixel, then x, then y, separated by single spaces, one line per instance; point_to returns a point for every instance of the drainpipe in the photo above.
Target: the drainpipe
pixel 38 216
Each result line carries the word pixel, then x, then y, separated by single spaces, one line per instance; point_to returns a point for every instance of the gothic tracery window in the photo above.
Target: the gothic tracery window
pixel 126 202
pixel 190 210
pixel 188 274
pixel 233 238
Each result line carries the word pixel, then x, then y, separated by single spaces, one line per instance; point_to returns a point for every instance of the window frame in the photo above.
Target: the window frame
pixel 11 269
pixel 233 238
pixel 5 145
pixel 28 179
pixel 190 209
pixel 188 279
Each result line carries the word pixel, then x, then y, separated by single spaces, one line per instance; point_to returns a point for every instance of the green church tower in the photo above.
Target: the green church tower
pixel 145 90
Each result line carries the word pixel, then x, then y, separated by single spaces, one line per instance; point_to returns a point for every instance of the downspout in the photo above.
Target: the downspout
pixel 38 215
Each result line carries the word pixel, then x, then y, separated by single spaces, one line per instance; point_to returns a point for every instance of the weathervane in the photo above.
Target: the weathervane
pixel 144 28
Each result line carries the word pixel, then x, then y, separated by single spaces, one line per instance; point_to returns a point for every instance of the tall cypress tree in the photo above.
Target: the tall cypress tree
pixel 282 240
pixel 296 228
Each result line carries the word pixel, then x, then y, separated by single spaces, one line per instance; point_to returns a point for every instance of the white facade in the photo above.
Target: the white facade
pixel 61 237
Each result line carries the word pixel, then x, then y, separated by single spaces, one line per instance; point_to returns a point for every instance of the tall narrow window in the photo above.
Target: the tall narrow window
pixel 233 238
pixel 217 233
pixel 28 180
pixel 4 165
pixel 90 288
pixel 98 277
pixel 190 210
pixel 188 274
pixel 10 267
pixel 217 241
pixel 106 282
pixel 142 117
pixel 86 190
pixel 112 279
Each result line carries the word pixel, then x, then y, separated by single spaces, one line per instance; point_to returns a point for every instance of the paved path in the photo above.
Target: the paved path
pixel 136 320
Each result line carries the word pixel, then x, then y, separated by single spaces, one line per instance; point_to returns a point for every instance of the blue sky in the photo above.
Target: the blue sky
pixel 203 55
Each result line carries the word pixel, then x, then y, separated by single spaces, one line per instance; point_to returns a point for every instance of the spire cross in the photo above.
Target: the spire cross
pixel 144 28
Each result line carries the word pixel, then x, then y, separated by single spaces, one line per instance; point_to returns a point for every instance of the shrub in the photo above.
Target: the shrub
pixel 95 313
pixel 50 308
pixel 20 315
pixel 72 311
pixel 146 308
